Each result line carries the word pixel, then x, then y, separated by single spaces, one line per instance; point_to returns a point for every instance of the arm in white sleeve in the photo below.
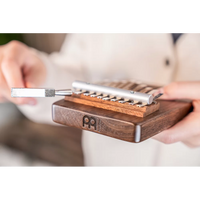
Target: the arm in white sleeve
pixel 62 69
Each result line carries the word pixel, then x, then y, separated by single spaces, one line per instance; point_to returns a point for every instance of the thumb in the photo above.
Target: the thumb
pixel 181 90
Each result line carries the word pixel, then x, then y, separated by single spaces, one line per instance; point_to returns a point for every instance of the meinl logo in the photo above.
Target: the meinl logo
pixel 89 122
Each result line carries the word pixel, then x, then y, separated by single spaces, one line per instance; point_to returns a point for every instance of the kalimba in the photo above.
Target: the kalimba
pixel 125 110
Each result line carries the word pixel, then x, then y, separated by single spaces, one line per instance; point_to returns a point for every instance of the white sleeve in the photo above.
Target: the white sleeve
pixel 62 69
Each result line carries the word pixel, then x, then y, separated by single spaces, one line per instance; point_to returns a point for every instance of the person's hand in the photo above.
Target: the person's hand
pixel 188 129
pixel 19 67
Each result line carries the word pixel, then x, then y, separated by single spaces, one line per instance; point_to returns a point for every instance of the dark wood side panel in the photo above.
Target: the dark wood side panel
pixel 119 125
pixel 70 114
pixel 170 113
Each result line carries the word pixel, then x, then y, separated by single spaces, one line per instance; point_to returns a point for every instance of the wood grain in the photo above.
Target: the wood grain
pixel 114 106
pixel 72 114
pixel 119 125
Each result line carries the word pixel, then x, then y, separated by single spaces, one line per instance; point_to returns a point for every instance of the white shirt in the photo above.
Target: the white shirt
pixel 94 57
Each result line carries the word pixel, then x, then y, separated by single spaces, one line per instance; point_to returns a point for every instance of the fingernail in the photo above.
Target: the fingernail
pixel 161 90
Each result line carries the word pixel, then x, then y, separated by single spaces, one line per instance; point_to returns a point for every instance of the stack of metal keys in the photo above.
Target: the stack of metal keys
pixel 94 90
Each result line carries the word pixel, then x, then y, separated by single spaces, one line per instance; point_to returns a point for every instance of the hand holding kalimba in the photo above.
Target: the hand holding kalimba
pixel 188 129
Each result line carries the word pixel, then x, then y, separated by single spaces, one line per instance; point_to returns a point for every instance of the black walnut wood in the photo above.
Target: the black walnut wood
pixel 118 125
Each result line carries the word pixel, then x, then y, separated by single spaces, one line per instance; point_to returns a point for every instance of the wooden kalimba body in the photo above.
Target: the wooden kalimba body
pixel 124 110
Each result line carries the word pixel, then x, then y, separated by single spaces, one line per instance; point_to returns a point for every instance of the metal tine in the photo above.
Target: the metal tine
pixel 108 98
pixel 124 100
pixel 95 94
pixel 116 99
pixel 102 96
pixel 88 93
pixel 114 84
pixel 145 104
pixel 152 91
pixel 129 86
pixel 118 85
pixel 157 96
pixel 122 84
pixel 147 90
pixel 142 105
pixel 140 88
pixel 134 103
pixel 79 91
pixel 106 83
pixel 110 84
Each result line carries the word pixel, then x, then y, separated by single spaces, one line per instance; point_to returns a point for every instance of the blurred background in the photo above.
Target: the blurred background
pixel 25 143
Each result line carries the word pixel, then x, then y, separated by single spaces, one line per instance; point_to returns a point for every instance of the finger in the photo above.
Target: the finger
pixel 5 94
pixel 2 86
pixel 12 63
pixel 196 105
pixel 21 101
pixel 187 128
pixel 181 90
pixel 193 142
pixel 12 72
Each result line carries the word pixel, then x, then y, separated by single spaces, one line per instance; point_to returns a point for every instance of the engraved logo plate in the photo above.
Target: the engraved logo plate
pixel 89 122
